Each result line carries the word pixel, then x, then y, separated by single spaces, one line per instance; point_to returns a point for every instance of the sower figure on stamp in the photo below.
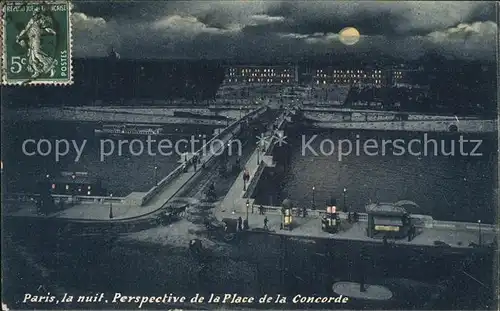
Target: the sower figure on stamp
pixel 30 37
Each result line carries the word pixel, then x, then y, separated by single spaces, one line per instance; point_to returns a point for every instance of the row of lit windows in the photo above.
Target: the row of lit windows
pixel 260 69
pixel 355 76
pixel 252 72
pixel 346 81
pixel 79 189
pixel 67 187
pixel 320 71
pixel 261 75
pixel 349 76
pixel 260 80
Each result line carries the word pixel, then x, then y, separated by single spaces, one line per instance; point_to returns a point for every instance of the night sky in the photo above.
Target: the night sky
pixel 261 30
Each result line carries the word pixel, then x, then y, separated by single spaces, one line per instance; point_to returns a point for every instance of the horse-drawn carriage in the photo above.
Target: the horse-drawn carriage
pixel 171 214
pixel 227 228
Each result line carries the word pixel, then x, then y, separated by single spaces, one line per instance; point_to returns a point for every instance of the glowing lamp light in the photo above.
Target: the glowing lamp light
pixel 331 209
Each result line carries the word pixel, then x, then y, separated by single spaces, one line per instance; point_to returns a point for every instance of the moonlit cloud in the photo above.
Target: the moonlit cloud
pixel 266 19
pixel 274 29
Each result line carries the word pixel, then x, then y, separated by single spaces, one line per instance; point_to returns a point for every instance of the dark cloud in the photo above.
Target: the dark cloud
pixel 263 29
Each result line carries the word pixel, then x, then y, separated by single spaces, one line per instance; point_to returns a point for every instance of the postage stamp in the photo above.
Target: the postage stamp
pixel 36 39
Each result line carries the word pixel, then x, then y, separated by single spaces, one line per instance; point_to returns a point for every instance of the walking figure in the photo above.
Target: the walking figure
pixel 265 223
pixel 240 224
pixel 246 177
pixel 261 210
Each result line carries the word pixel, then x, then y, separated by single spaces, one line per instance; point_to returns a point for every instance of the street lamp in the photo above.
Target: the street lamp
pixel 313 201
pixel 156 175
pixel 479 227
pixel 345 207
pixel 258 152
pixel 247 205
pixel 111 206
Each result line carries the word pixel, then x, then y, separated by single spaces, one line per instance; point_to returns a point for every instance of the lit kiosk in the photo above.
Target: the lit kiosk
pixel 331 221
pixel 286 211
pixel 388 220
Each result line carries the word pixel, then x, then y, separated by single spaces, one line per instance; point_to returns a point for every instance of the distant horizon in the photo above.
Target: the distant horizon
pixel 314 60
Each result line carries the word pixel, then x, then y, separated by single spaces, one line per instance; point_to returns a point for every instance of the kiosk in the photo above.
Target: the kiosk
pixel 286 209
pixel 387 219
pixel 331 221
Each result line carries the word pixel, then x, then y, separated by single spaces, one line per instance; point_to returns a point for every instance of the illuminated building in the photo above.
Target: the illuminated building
pixel 77 183
pixel 261 75
pixel 406 77
pixel 344 76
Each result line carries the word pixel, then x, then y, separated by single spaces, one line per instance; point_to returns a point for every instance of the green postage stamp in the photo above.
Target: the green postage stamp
pixel 36 40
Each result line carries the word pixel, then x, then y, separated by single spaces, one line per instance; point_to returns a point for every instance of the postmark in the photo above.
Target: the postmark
pixel 36 39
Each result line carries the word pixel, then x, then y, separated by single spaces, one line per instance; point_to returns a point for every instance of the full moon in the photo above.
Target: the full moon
pixel 349 36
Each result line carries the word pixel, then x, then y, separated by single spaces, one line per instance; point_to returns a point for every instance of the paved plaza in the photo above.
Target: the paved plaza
pixel 353 290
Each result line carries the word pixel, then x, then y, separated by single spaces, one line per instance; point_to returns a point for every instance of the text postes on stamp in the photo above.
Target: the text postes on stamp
pixel 36 42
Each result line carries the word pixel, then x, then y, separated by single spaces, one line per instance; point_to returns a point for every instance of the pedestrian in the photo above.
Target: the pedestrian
pixel 240 224
pixel 265 223
pixel 261 210
pixel 245 224
pixel 413 232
